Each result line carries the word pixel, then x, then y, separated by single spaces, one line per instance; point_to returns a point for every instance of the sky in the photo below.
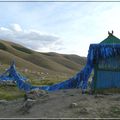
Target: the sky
pixel 62 27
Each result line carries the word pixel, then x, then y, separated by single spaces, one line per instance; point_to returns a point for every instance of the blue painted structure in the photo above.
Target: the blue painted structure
pixel 108 79
pixel 107 70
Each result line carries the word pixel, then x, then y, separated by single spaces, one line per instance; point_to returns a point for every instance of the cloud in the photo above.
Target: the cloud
pixel 79 24
pixel 31 38
pixel 16 28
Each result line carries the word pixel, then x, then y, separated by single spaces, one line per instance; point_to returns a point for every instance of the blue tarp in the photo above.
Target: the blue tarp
pixel 96 52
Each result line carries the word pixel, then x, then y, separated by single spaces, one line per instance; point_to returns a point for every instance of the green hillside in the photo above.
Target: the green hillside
pixel 40 68
pixel 44 62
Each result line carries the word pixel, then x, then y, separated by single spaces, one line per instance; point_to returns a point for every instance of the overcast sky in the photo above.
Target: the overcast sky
pixel 63 27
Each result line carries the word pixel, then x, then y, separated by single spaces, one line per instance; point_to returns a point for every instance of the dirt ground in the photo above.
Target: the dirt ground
pixel 63 104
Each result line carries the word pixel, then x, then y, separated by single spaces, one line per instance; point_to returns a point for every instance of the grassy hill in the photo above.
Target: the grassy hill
pixel 40 68
pixel 44 62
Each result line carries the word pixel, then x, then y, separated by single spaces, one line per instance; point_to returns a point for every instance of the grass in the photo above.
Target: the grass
pixel 57 66
pixel 10 92
pixel 3 47
pixel 49 54
pixel 23 49
pixel 45 82
pixel 50 62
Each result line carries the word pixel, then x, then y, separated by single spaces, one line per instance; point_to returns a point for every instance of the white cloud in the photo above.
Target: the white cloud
pixel 79 24
pixel 31 38
pixel 16 28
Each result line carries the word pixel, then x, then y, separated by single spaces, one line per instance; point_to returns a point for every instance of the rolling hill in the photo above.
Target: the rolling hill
pixel 40 68
pixel 46 62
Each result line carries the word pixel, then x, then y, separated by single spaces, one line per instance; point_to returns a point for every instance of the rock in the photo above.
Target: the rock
pixel 38 73
pixel 27 105
pixel 42 93
pixel 29 102
pixel 41 73
pixel 26 70
pixel 73 105
pixel 99 96
pixel 35 94
pixel 3 101
pixel 83 111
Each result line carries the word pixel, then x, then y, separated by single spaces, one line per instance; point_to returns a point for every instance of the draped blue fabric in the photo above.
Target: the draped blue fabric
pixel 80 80
pixel 9 74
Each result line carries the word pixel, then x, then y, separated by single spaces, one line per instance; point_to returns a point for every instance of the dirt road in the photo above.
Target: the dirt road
pixel 64 104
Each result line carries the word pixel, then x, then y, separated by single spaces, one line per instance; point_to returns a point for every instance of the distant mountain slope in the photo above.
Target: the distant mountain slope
pixel 46 62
